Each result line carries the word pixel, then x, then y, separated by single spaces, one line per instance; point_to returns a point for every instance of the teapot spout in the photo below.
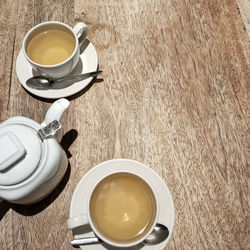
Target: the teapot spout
pixel 55 112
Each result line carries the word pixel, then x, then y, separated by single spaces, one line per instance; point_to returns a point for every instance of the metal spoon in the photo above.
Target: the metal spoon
pixel 44 83
pixel 159 234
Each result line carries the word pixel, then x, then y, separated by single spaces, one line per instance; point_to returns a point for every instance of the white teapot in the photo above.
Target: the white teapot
pixel 32 162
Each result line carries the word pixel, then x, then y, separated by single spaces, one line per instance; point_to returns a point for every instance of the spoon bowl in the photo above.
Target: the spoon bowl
pixel 159 234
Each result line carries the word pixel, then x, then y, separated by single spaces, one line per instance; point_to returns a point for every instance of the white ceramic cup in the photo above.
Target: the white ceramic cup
pixel 85 219
pixel 79 31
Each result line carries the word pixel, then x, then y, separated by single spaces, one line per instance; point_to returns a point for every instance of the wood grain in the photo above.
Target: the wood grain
pixel 175 96
pixel 244 8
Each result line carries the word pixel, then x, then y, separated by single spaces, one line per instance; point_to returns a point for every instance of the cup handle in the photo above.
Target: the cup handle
pixel 77 221
pixel 81 31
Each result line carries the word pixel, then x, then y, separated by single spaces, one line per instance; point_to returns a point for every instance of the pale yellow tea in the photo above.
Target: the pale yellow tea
pixel 123 207
pixel 51 47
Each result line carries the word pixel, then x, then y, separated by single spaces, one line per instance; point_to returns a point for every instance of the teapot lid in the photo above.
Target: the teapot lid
pixel 20 153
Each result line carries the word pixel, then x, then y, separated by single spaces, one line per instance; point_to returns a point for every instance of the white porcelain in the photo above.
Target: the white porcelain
pixel 85 219
pixel 80 199
pixel 88 62
pixel 30 168
pixel 80 30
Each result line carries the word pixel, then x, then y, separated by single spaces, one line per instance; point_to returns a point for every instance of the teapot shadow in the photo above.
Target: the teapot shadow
pixel 67 141
pixel 4 207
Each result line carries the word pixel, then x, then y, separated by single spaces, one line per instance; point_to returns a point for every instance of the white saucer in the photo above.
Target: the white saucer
pixel 88 62
pixel 80 196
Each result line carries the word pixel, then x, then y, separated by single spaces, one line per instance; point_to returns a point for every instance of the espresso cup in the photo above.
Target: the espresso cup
pixel 52 48
pixel 122 209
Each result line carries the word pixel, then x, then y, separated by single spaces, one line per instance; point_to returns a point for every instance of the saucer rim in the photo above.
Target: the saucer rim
pixel 54 93
pixel 89 172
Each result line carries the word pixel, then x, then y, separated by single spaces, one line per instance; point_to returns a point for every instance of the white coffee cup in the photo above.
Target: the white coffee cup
pixel 85 219
pixel 79 31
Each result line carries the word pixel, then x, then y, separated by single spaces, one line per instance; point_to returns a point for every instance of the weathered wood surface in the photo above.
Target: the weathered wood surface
pixel 175 96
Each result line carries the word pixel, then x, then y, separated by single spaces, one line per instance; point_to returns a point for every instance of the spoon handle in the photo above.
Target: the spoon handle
pixel 79 77
pixel 85 241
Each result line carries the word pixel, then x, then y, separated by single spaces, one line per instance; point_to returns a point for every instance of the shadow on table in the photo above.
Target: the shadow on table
pixel 4 208
pixel 67 141
pixel 82 229
pixel 87 88
pixel 29 210
pixel 137 247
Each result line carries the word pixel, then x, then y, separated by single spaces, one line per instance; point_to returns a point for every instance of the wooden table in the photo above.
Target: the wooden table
pixel 174 95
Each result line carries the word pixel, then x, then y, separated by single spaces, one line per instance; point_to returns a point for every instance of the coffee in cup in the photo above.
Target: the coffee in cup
pixel 122 207
pixel 52 48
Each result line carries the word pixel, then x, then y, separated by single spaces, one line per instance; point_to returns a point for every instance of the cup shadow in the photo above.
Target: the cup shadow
pixel 86 89
pixel 154 238
pixel 137 247
pixel 83 44
pixel 82 230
